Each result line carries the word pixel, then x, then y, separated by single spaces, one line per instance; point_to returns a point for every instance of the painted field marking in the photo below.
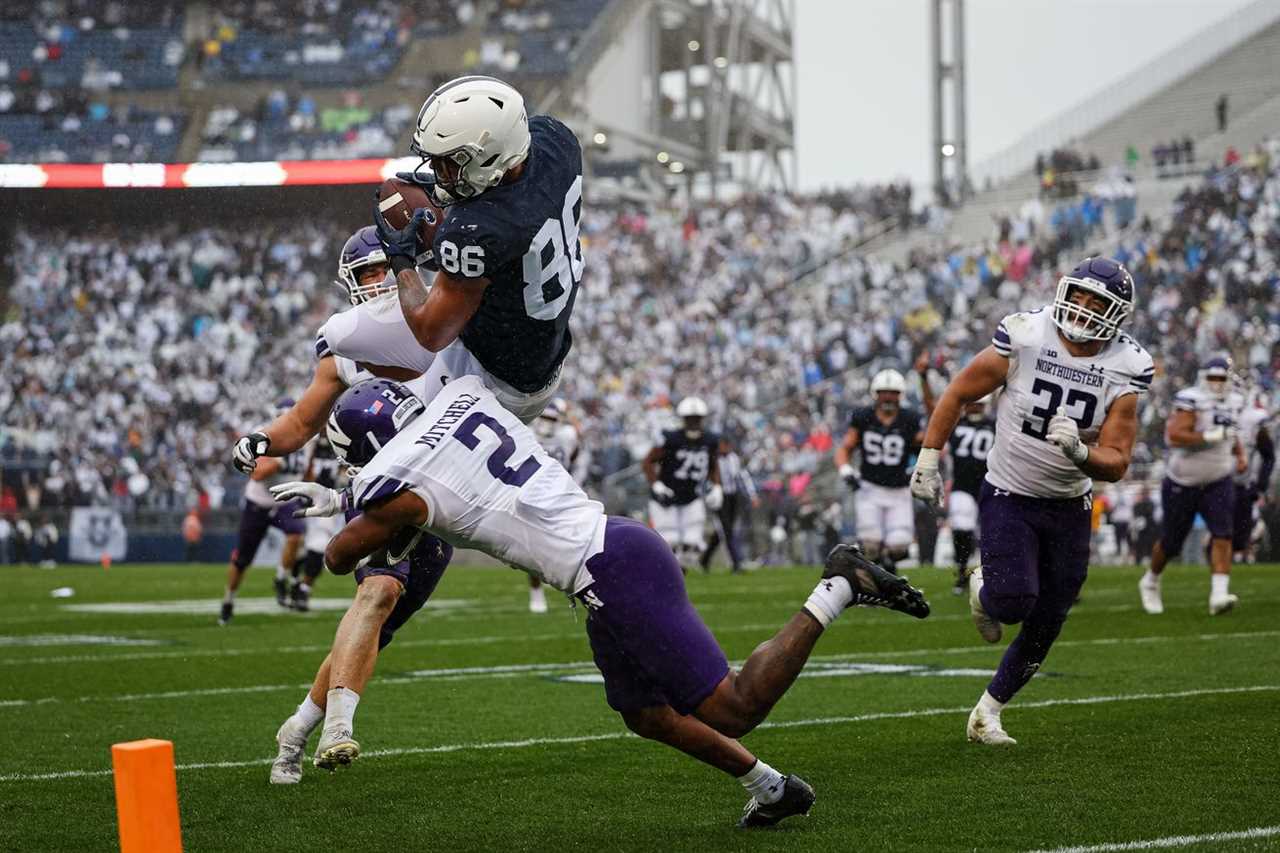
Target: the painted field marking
pixel 1172 841
pixel 784 724
pixel 74 640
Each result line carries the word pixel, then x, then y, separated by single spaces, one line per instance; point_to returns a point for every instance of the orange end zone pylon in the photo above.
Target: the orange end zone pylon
pixel 147 796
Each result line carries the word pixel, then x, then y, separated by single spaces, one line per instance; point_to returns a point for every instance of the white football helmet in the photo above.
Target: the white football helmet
pixel 692 407
pixel 888 380
pixel 471 131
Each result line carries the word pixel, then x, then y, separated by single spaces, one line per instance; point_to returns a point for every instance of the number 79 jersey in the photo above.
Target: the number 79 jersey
pixel 1043 376
pixel 490 486
pixel 523 238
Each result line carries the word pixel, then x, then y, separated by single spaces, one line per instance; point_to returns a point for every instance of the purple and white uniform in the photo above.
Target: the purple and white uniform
pixel 1199 479
pixel 489 485
pixel 259 511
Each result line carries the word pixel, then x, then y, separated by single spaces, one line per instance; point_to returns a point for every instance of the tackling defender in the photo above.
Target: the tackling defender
pixel 388 592
pixel 1205 454
pixel 885 436
pixel 677 469
pixel 472 473
pixel 1067 416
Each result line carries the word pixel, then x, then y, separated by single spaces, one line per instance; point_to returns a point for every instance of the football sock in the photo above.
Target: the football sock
pixel 828 599
pixel 341 708
pixel 281 573
pixel 229 596
pixel 963 541
pixel 1218 585
pixel 763 782
pixel 308 716
pixel 1149 578
pixel 989 705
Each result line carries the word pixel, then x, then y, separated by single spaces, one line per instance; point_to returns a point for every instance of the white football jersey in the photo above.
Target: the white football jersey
pixel 561 442
pixel 1044 376
pixel 1252 420
pixel 349 373
pixel 1197 466
pixel 374 332
pixel 292 467
pixel 489 485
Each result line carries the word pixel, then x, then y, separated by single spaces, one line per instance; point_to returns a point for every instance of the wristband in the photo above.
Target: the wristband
pixel 928 458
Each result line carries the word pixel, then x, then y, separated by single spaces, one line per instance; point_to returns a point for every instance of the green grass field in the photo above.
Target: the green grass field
pixel 1139 728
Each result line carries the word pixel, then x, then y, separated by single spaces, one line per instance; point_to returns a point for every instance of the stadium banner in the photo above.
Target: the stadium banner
pixel 96 531
pixel 190 175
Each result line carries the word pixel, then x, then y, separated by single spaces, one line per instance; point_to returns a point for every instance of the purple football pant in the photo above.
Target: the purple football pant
pixel 1242 517
pixel 647 639
pixel 1215 502
pixel 419 576
pixel 254 521
pixel 1035 557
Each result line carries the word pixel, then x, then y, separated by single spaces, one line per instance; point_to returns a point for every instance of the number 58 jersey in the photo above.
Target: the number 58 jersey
pixel 1043 377
pixel 489 485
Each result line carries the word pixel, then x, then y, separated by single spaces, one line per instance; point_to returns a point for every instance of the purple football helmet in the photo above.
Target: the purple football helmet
pixel 367 416
pixel 1215 374
pixel 362 249
pixel 1109 282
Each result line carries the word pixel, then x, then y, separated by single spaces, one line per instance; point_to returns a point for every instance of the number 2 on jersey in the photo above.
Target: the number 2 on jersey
pixel 554 253
pixel 497 461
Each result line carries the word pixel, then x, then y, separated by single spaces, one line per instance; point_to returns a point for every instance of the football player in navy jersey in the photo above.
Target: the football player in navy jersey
pixel 507 251
pixel 968 448
pixel 885 436
pixel 677 469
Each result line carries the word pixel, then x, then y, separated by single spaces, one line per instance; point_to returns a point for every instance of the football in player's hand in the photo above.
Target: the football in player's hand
pixel 399 199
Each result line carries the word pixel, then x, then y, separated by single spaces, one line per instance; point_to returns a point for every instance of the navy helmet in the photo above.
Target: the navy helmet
pixel 363 249
pixel 1110 283
pixel 1215 374
pixel 367 416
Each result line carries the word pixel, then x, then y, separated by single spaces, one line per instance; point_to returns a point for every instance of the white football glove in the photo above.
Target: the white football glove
pixel 244 456
pixel 1214 434
pixel 661 491
pixel 926 482
pixel 714 498
pixel 850 476
pixel 319 501
pixel 1065 433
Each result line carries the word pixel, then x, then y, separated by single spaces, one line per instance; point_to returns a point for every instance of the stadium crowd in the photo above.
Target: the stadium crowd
pixel 758 306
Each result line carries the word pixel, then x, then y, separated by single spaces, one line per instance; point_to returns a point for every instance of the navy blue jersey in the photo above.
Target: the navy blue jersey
pixel 325 466
pixel 885 450
pixel 970 443
pixel 686 463
pixel 523 238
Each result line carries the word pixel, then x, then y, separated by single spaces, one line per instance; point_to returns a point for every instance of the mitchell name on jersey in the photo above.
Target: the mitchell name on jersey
pixel 1044 376
pixel 686 462
pixel 885 450
pixel 1198 466
pixel 523 238
pixel 489 485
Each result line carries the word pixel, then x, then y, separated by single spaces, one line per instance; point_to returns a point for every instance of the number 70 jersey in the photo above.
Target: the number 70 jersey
pixel 490 486
pixel 1043 377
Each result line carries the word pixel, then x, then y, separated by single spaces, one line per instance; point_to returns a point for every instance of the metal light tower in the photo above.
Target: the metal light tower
pixel 950 129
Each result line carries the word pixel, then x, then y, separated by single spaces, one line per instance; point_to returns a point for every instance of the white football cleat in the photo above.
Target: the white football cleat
pixel 984 727
pixel 336 748
pixel 1149 592
pixel 287 768
pixel 990 629
pixel 537 600
pixel 1223 603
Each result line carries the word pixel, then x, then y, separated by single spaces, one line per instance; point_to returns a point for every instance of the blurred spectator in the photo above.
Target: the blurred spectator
pixel 6 540
pixel 1220 109
pixel 192 533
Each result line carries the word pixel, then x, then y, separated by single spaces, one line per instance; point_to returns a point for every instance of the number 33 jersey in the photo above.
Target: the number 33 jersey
pixel 1043 376
pixel 489 485
pixel 523 238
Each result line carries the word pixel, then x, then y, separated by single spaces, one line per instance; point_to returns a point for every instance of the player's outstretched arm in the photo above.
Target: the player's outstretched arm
pixel 1108 460
pixel 437 315
pixel 298 424
pixel 377 527
pixel 980 377
pixel 651 462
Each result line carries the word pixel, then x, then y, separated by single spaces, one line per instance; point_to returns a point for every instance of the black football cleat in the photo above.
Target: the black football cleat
pixel 872 585
pixel 797 798
pixel 300 598
pixel 282 591
pixel 224 615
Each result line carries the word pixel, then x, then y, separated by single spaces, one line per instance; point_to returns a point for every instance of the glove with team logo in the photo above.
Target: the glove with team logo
pixel 244 456
pixel 926 482
pixel 661 491
pixel 318 501
pixel 1064 432
pixel 402 245
pixel 850 476
pixel 714 498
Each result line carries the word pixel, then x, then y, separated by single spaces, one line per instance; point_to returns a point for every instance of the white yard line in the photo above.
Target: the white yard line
pixel 1172 841
pixel 465 673
pixel 784 724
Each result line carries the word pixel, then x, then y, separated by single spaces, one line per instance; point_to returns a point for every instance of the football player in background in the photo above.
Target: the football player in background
pixel 559 438
pixel 324 468
pixel 885 436
pixel 969 445
pixel 387 593
pixel 468 469
pixel 1068 415
pixel 738 488
pixel 1250 484
pixel 677 470
pixel 258 513
pixel 1204 455
pixel 509 261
